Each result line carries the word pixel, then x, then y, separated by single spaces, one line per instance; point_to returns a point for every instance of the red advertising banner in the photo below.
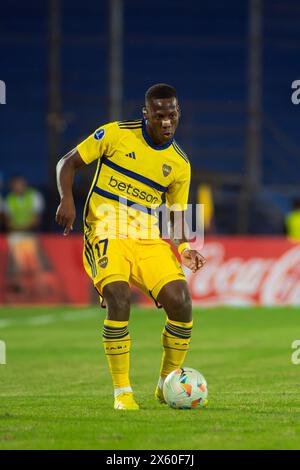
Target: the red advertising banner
pixel 47 269
pixel 247 271
pixel 42 269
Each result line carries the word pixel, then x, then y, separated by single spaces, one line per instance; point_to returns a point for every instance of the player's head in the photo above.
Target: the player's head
pixel 162 112
pixel 18 184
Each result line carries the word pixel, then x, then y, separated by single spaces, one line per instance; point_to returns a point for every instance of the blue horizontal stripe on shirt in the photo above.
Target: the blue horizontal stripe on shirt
pixel 134 175
pixel 123 200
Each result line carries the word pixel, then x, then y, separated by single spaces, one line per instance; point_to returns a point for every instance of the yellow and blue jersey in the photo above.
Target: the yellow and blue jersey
pixel 132 179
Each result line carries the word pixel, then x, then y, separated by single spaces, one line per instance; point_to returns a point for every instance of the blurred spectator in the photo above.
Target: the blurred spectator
pixel 292 222
pixel 1 213
pixel 27 270
pixel 1 204
pixel 205 199
pixel 23 206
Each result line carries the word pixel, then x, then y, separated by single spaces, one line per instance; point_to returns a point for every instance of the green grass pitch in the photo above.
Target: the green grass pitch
pixel 56 393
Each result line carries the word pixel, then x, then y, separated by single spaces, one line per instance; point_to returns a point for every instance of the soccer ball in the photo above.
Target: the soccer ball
pixel 185 388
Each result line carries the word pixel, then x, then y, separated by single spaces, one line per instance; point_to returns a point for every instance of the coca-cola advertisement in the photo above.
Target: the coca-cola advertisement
pixel 247 271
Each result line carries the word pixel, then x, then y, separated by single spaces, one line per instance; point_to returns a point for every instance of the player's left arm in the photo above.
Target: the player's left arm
pixel 177 198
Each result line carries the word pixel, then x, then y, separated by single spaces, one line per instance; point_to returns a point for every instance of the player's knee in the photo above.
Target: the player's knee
pixel 181 307
pixel 117 297
pixel 178 304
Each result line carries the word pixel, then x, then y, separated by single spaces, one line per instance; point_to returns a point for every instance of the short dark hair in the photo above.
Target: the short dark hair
pixel 160 90
pixel 16 176
pixel 296 203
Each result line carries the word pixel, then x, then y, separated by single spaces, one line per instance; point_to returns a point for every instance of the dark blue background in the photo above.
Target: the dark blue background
pixel 200 47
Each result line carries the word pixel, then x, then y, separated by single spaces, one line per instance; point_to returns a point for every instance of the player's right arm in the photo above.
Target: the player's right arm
pixel 65 171
pixel 101 142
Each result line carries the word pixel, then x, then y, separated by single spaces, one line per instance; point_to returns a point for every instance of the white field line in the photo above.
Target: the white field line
pixel 5 323
pixel 51 318
pixel 40 320
pixel 80 314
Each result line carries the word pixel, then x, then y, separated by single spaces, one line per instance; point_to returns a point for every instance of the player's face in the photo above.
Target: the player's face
pixel 162 119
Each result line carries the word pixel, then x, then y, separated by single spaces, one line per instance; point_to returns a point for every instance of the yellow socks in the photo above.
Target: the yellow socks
pixel 116 342
pixel 176 337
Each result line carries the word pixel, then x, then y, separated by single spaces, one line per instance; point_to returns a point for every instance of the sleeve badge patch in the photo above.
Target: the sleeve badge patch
pixel 99 134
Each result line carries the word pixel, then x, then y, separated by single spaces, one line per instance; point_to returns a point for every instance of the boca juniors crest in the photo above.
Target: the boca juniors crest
pixel 166 169
pixel 103 262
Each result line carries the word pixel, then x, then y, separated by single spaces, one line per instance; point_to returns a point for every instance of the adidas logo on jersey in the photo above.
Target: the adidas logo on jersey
pixel 130 155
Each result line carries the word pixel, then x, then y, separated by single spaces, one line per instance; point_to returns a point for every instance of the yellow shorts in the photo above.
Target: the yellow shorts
pixel 147 264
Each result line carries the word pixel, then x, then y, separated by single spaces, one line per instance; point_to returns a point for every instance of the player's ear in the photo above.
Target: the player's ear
pixel 179 110
pixel 145 112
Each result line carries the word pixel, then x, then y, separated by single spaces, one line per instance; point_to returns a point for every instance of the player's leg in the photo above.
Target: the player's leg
pixel 160 273
pixel 176 336
pixel 109 268
pixel 116 341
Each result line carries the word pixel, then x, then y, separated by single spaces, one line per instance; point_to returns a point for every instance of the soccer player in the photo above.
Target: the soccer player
pixel 139 165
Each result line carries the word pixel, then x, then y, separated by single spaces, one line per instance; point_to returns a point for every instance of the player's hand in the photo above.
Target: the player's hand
pixel 192 259
pixel 66 214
